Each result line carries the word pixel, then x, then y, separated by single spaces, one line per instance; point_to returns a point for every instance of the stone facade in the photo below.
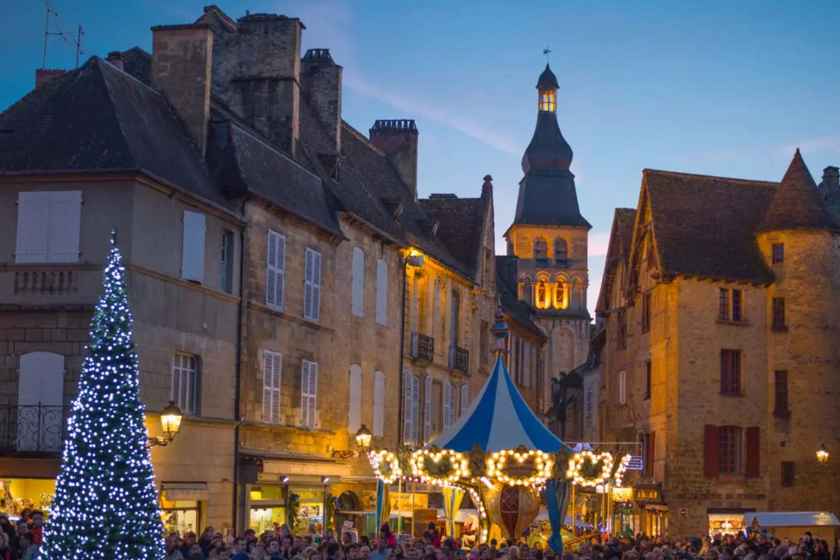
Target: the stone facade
pixel 721 439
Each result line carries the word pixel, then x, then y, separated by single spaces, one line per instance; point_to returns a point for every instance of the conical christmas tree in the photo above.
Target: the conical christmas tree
pixel 105 505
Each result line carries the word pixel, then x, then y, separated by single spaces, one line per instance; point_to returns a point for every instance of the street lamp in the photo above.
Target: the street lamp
pixel 363 437
pixel 822 455
pixel 170 421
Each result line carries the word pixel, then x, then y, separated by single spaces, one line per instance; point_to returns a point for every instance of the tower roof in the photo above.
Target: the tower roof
pixel 548 149
pixel 797 203
pixel 547 80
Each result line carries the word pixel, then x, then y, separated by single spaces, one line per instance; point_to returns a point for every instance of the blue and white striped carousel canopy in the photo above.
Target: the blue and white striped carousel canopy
pixel 499 418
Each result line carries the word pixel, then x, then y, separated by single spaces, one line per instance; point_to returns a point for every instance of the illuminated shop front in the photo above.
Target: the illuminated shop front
pixel 182 506
pixel 17 494
pixel 650 499
pixel 267 507
pixel 727 522
pixel 622 511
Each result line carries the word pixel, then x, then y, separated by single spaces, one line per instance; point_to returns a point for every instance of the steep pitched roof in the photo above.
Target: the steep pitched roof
pixel 99 118
pixel 704 226
pixel 138 63
pixel 516 309
pixel 797 203
pixel 242 161
pixel 618 250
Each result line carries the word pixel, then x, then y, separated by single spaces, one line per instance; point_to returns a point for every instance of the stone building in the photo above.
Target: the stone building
pixel 722 347
pixel 274 270
pixel 549 238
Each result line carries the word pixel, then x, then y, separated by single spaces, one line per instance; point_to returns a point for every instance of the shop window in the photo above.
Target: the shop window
pixel 267 507
pixel 179 515
pixel 185 383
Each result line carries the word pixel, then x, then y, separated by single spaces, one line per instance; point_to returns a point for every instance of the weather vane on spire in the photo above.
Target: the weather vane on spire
pixel 547 53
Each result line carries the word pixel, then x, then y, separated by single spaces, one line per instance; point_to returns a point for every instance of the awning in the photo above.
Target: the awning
pixel 793 519
pixel 650 496
pixel 186 491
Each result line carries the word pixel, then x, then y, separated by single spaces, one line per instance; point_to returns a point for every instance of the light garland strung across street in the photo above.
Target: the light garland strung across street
pixel 622 468
pixel 577 461
pixel 459 466
pixel 385 465
pixel 541 462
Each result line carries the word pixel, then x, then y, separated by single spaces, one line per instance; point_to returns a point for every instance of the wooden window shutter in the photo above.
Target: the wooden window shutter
pixel 354 414
pixel 192 256
pixel 427 409
pixel 408 407
pixel 64 225
pixel 312 285
pixel 753 464
pixel 272 371
pixel 710 451
pixel 378 403
pixel 32 227
pixel 415 408
pixel 465 397
pixel 447 408
pixel 316 286
pixel 309 392
pixel 275 274
pixel 381 292
pixel 358 282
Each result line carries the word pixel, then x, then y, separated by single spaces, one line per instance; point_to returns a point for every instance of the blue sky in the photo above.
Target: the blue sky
pixel 713 87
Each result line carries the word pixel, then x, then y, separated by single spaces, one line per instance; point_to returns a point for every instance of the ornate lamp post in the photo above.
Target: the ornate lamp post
pixel 363 437
pixel 170 420
pixel 822 455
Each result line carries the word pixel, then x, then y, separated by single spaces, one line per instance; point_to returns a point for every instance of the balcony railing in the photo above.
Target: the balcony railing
pixel 32 429
pixel 460 360
pixel 46 282
pixel 422 347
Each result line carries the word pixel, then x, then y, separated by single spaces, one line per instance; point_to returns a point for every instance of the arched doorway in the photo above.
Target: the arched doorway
pixel 349 508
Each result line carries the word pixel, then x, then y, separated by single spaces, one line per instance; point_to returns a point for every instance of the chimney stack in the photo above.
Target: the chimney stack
pixel 398 140
pixel 182 58
pixel 831 178
pixel 116 59
pixel 42 76
pixel 321 87
pixel 266 86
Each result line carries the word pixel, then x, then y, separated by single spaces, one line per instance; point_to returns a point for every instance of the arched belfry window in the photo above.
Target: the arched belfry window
pixel 548 100
pixel 561 253
pixel 541 252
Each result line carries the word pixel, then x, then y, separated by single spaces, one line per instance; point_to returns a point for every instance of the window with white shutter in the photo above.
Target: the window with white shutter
pixel 358 282
pixel 415 408
pixel 308 394
pixel 381 292
pixel 48 226
pixel 465 397
pixel 275 272
pixel 427 410
pixel 449 404
pixel 378 403
pixel 192 254
pixel 312 286
pixel 354 416
pixel 185 383
pixel 272 375
pixel 408 408
pixel 622 387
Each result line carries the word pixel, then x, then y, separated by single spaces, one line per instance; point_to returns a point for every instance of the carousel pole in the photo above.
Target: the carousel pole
pixel 574 525
pixel 399 505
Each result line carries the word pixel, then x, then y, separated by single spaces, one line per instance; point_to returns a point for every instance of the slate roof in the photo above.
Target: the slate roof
pixel 242 161
pixel 138 63
pixel 624 220
pixel 506 288
pixel 618 250
pixel 797 204
pixel 460 223
pixel 705 226
pixel 99 118
pixel 547 79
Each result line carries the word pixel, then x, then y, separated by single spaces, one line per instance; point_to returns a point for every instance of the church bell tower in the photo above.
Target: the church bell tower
pixel 549 237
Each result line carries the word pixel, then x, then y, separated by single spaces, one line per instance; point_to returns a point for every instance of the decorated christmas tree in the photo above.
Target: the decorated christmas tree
pixel 105 504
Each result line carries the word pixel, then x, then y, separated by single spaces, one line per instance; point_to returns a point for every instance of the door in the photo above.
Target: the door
pixel 40 411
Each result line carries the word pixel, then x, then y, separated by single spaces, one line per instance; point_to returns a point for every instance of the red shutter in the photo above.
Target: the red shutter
pixel 753 452
pixel 710 451
pixel 651 452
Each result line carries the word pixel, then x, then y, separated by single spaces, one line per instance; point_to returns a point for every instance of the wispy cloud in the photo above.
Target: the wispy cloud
pixel 435 113
pixel 599 242
pixel 329 24
pixel 824 144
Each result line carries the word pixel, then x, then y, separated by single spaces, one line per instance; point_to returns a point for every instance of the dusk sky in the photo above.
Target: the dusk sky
pixel 713 87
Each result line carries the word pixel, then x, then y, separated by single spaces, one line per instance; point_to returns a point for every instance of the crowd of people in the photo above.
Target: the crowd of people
pixel 282 545
pixel 21 540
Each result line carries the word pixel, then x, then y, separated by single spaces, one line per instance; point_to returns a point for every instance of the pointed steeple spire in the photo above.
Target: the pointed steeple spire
pixel 797 203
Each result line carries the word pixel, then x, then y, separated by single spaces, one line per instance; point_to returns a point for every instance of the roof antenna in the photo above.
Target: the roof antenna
pixel 547 53
pixel 77 40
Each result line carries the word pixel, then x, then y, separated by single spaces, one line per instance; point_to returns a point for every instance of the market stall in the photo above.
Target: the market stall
pixel 793 524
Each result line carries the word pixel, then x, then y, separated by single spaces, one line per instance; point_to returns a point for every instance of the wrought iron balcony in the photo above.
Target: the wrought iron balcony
pixel 422 347
pixel 32 429
pixel 460 360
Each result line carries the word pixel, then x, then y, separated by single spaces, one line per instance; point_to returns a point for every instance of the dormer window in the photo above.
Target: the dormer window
pixel 548 100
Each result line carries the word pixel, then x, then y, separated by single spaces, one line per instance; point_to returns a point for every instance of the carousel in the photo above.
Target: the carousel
pixel 501 455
